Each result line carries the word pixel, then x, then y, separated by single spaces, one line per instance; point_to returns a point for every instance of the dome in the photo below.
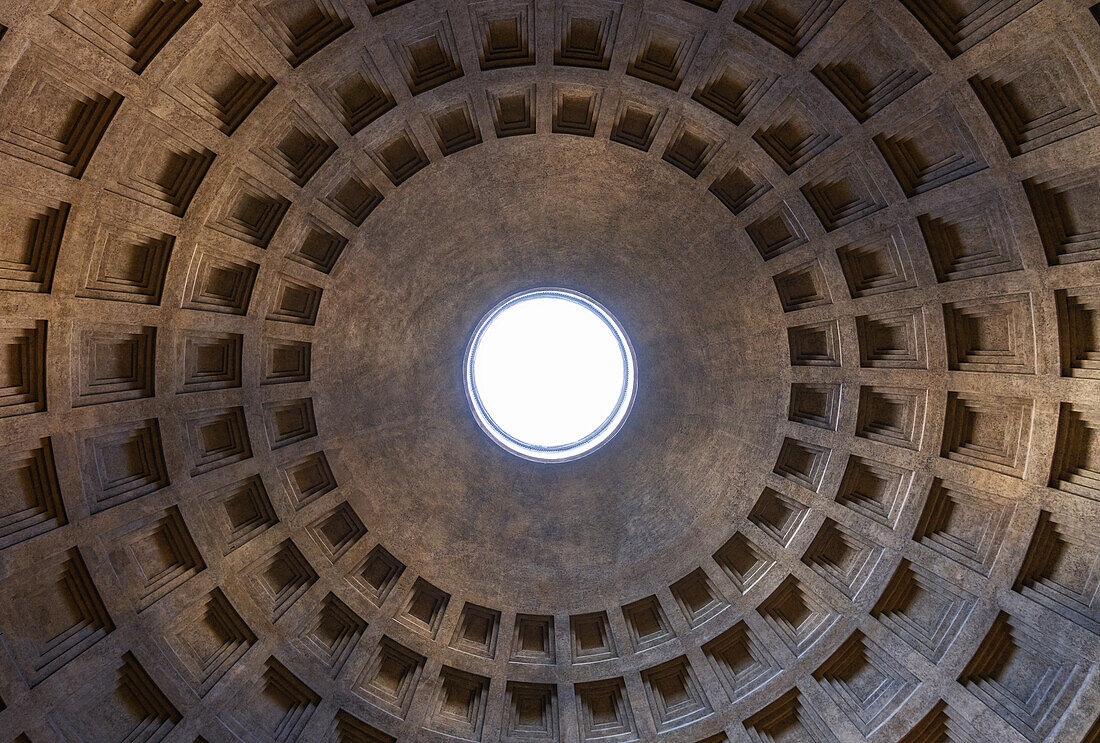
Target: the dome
pixel 847 251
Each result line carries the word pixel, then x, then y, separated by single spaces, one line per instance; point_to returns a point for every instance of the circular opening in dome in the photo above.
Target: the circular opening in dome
pixel 550 375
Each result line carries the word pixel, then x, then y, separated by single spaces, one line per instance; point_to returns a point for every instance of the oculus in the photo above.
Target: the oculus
pixel 550 375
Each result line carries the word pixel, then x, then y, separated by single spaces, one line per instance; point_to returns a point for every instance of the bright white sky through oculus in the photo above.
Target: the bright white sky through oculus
pixel 549 371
